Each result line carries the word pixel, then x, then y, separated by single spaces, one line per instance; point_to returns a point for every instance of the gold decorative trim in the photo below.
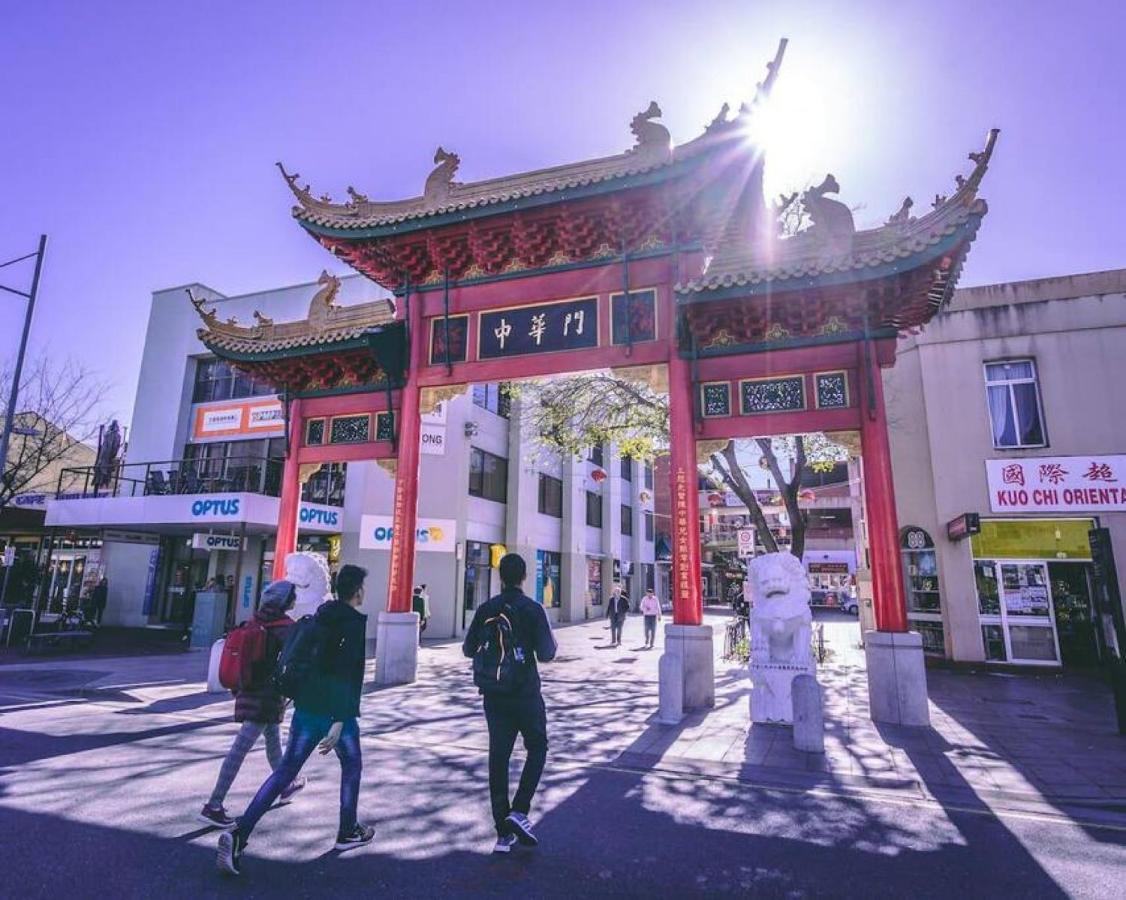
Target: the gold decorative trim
pixel 705 449
pixel 305 471
pixel 721 338
pixel 559 258
pixel 776 332
pixel 655 377
pixel 834 325
pixel 430 397
pixel 390 466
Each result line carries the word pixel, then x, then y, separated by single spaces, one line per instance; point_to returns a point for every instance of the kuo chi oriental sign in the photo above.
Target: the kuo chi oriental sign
pixel 1057 484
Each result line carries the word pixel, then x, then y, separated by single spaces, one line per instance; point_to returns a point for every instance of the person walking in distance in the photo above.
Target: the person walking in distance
pixel 98 598
pixel 420 603
pixel 617 608
pixel 322 668
pixel 259 706
pixel 508 635
pixel 651 610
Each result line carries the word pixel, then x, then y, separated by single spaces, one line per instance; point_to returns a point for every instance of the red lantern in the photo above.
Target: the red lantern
pixel 715 498
pixel 598 475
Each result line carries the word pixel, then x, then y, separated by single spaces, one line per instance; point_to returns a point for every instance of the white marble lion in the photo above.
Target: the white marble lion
pixel 309 574
pixel 781 625
pixel 780 615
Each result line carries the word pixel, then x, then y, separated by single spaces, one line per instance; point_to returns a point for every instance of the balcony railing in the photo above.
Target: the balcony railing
pixel 251 474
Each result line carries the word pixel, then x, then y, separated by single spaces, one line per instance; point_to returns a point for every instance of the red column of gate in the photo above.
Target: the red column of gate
pixel 404 513
pixel 290 504
pixel 687 601
pixel 879 496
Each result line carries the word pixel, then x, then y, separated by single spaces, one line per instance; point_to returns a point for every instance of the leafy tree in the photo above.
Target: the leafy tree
pixel 568 415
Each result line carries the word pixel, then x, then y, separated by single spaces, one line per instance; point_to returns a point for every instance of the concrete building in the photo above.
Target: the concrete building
pixel 202 478
pixel 1007 409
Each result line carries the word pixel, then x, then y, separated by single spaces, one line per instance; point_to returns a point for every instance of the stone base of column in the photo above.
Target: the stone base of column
pixel 396 648
pixel 687 672
pixel 897 678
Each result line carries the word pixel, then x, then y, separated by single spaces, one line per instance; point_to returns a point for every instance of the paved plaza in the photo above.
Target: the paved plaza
pixel 1020 785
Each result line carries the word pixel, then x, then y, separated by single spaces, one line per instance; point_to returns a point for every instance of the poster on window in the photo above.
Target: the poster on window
pixel 1057 484
pixel 548 566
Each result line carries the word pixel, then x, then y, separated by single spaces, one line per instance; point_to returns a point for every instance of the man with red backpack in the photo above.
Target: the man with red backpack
pixel 250 655
pixel 509 633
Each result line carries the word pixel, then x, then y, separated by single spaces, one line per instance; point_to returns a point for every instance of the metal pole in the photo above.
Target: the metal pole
pixel 14 394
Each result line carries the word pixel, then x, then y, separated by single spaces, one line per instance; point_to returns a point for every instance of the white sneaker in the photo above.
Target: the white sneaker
pixel 519 823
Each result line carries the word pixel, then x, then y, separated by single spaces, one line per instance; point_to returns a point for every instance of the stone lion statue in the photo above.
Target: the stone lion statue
pixel 781 625
pixel 780 607
pixel 310 576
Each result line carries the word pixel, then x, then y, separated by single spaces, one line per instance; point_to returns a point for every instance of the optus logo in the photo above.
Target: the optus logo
pixel 320 516
pixel 226 507
pixel 384 534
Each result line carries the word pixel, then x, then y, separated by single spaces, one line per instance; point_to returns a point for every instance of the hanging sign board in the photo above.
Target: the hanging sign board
pixel 217 542
pixel 964 526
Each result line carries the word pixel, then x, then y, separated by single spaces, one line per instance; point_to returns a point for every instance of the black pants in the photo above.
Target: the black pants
pixel 508 717
pixel 616 623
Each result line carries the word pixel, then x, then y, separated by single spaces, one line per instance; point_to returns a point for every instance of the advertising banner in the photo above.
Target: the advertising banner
pixel 257 417
pixel 434 535
pixel 1057 484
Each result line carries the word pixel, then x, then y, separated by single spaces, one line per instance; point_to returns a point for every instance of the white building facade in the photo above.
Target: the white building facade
pixel 203 469
pixel 1007 419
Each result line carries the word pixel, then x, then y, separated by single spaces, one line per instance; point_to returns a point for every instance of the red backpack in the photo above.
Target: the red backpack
pixel 243 654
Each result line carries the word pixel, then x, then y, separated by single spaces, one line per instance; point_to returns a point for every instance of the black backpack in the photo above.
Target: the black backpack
pixel 500 665
pixel 304 654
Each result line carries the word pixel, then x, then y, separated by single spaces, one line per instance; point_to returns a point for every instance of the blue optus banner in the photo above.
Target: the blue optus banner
pixel 543 328
pixel 150 581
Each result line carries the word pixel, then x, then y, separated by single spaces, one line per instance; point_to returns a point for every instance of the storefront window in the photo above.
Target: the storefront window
pixel 594 581
pixel 988 596
pixel 1015 603
pixel 994 638
pixel 1024 588
pixel 924 601
pixel 478 577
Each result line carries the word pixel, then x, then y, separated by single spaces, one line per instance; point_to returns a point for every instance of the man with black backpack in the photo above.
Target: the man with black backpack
pixel 322 669
pixel 509 633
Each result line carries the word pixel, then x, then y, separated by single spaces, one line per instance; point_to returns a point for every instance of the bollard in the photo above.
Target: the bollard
pixel 213 685
pixel 809 717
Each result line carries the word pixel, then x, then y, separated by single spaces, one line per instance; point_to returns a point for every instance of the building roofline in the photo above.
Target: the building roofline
pixel 1033 290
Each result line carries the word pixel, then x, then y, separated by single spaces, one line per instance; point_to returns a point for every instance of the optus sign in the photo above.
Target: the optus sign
pixel 222 507
pixel 317 515
pixel 432 536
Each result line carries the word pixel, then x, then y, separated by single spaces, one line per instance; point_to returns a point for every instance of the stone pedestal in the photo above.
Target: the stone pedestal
pixel 687 671
pixel 809 715
pixel 897 678
pixel 396 648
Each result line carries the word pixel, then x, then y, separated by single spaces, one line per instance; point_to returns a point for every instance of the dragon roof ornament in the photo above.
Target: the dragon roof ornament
pixel 325 323
pixel 653 149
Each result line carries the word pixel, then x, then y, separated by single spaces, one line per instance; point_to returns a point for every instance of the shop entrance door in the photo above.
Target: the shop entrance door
pixel 1071 605
pixel 1016 612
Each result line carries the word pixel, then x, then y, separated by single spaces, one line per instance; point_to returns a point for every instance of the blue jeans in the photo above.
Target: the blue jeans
pixel 305 732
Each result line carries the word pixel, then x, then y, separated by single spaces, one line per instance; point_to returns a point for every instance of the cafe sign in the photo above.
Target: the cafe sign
pixel 1057 484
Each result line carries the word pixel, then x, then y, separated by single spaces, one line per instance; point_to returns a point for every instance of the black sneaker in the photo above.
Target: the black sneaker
pixel 522 828
pixel 504 843
pixel 229 858
pixel 216 817
pixel 357 837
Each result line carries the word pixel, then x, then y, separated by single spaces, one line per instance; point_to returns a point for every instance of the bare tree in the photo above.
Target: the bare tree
pixel 57 413
pixel 568 415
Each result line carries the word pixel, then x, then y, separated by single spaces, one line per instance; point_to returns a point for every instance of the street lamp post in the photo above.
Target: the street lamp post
pixel 13 395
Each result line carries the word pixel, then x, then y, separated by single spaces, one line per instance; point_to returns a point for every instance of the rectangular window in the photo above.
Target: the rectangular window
pixel 627 519
pixel 488 475
pixel 627 469
pixel 649 476
pixel 1013 395
pixel 595 455
pixel 493 397
pixel 215 379
pixel 551 496
pixel 649 526
pixel 593 509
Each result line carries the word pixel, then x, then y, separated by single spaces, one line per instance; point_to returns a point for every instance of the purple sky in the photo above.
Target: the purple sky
pixel 141 136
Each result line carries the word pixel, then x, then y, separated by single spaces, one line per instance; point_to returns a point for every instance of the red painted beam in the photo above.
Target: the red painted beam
pixel 334 453
pixel 347 404
pixel 777 424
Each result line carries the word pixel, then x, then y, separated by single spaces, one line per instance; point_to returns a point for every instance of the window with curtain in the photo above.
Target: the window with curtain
pixel 1013 396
